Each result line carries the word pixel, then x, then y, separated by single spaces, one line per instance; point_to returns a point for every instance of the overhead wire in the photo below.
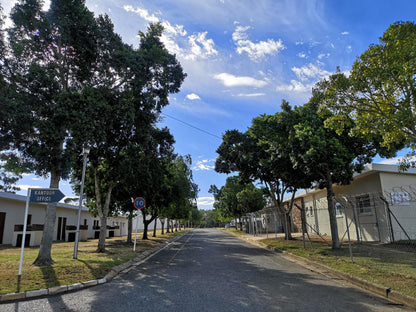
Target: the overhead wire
pixel 192 126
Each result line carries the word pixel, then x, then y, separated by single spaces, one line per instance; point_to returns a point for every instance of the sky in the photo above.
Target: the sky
pixel 242 58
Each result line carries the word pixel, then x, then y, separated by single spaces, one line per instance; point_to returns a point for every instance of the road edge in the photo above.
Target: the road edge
pixel 378 290
pixel 115 271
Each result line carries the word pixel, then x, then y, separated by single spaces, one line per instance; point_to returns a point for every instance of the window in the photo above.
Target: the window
pixel 29 219
pixel 311 211
pixel 338 209
pixel 363 204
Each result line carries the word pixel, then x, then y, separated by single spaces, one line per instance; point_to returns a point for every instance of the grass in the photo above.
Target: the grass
pixel 66 270
pixel 379 264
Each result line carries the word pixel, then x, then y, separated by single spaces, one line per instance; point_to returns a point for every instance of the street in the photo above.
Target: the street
pixel 211 270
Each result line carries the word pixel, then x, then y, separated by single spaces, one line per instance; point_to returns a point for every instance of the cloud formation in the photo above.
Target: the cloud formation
pixel 193 96
pixel 310 71
pixel 206 202
pixel 176 38
pixel 204 165
pixel 230 80
pixel 255 51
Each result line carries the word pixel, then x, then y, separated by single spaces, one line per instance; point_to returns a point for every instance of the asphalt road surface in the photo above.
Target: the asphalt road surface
pixel 211 270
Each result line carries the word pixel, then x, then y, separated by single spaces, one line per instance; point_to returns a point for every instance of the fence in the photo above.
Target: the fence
pixel 387 217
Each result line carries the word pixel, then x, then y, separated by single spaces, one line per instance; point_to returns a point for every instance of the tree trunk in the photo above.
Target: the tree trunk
pixel 130 227
pixel 146 224
pixel 103 211
pixel 168 226
pixel 332 214
pixel 162 221
pixel 154 228
pixel 44 257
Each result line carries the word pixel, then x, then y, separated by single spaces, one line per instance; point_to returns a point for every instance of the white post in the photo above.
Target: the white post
pixel 137 225
pixel 84 166
pixel 24 231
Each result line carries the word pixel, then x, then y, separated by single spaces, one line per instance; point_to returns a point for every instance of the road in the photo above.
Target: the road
pixel 211 270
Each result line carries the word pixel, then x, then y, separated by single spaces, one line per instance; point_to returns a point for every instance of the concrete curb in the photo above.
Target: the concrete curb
pixel 381 291
pixel 120 269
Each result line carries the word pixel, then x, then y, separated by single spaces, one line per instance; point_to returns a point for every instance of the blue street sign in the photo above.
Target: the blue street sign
pixel 46 195
pixel 139 203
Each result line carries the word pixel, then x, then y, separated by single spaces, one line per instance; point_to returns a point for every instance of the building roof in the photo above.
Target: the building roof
pixel 368 169
pixel 23 198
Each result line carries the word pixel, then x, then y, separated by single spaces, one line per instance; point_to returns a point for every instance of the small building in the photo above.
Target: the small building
pixel 379 205
pixel 12 213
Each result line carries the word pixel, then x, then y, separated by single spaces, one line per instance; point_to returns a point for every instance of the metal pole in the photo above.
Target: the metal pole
pixel 84 166
pixel 348 231
pixel 24 231
pixel 137 225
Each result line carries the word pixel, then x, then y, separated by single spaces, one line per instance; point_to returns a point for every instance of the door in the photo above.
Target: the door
pixel 2 221
pixel 61 228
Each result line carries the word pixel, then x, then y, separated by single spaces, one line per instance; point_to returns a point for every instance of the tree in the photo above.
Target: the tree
pixel 235 199
pixel 380 92
pixel 47 67
pixel 126 107
pixel 326 156
pixel 263 154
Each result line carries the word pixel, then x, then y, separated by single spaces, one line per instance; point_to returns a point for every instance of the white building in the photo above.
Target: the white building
pixel 12 211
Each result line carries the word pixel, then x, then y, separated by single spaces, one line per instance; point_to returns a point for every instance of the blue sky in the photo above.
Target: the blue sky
pixel 243 57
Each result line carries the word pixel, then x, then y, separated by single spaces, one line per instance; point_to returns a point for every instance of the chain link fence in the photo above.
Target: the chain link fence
pixel 387 217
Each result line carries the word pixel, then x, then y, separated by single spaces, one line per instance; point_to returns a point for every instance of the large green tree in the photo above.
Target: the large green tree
pixel 327 156
pixel 127 106
pixel 380 92
pixel 264 154
pixel 47 67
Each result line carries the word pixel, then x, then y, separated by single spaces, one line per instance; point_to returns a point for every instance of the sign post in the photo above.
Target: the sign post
pixel 44 195
pixel 139 203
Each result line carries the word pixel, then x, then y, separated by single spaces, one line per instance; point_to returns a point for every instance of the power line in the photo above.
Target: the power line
pixel 192 126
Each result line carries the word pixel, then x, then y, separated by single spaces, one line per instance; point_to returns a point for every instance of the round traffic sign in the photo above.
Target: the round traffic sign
pixel 139 203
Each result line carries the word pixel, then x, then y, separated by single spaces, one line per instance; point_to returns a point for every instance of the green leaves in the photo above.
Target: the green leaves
pixel 379 94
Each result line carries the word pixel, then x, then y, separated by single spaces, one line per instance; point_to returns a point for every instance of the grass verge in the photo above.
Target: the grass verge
pixel 391 268
pixel 66 270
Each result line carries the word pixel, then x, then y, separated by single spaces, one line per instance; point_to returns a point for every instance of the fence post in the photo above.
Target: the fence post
pixel 348 232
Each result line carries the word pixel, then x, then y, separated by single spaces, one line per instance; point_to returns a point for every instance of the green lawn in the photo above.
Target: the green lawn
pixel 66 270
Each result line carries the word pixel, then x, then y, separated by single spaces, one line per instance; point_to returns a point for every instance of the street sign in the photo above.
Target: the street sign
pixel 46 195
pixel 139 203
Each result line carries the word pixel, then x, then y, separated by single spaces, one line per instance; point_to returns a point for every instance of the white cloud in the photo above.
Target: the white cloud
pixel 193 96
pixel 205 202
pixel 344 33
pixel 302 55
pixel 255 51
pixel 309 71
pixel 322 55
pixel 251 94
pixel 201 47
pixel 204 165
pixel 230 80
pixel 143 13
pixel 176 38
pixel 295 86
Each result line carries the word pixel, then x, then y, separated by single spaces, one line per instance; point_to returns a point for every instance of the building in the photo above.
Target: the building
pixel 12 214
pixel 379 205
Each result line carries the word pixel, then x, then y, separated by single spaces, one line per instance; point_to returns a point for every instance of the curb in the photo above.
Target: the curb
pixel 120 269
pixel 381 291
